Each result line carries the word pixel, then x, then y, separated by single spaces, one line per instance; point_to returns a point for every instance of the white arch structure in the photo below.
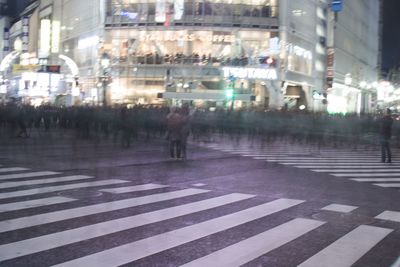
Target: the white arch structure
pixel 6 62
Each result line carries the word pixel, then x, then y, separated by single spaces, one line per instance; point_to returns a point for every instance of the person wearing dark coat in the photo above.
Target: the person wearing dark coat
pixel 385 130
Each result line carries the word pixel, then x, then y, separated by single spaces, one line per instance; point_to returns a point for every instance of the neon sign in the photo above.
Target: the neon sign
pixel 250 73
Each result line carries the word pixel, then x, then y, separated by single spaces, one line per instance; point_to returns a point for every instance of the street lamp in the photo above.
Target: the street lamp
pixel 105 63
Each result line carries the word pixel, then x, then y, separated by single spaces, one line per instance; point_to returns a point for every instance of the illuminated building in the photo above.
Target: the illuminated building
pixel 267 53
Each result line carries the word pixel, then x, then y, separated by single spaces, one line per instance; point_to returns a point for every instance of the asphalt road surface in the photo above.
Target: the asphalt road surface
pixel 66 202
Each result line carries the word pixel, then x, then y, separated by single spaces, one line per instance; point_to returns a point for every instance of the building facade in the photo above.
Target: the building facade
pixel 354 45
pixel 267 53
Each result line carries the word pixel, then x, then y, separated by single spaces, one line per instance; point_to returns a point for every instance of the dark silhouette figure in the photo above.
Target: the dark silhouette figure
pixel 385 130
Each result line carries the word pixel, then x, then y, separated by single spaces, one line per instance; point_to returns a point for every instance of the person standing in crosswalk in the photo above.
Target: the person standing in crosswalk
pixel 385 130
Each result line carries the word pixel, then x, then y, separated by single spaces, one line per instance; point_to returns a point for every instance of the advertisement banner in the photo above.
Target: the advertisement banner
pixel 6 39
pixel 25 34
pixel 18 68
pixel 161 11
pixel 178 9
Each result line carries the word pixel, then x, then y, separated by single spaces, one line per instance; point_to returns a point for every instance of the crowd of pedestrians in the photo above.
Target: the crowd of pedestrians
pixel 180 124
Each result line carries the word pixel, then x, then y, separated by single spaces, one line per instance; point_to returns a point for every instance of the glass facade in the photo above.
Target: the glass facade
pixel 196 40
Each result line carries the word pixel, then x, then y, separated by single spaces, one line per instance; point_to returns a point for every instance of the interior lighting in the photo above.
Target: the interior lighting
pixel 302 107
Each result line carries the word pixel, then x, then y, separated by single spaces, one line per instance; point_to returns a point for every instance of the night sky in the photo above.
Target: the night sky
pixel 391 34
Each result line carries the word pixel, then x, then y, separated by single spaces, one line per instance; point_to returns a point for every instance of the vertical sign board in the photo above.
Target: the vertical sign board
pixel 6 39
pixel 337 5
pixel 25 34
pixel 161 7
pixel 330 67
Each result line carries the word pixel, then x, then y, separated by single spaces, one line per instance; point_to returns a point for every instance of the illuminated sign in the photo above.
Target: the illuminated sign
pixel 25 34
pixel 18 68
pixel 189 37
pixel 129 15
pixel 55 37
pixel 88 42
pixel 250 73
pixel 45 33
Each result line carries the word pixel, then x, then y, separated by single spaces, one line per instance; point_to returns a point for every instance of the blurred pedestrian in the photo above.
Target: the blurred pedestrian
pixel 175 123
pixel 385 130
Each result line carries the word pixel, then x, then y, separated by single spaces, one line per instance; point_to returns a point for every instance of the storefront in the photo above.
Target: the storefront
pixel 189 64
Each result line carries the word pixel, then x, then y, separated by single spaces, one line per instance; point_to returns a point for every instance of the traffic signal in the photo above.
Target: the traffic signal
pixel 229 94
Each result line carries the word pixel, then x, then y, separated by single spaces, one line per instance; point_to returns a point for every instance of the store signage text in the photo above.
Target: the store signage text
pixel 276 45
pixel 250 73
pixel 188 38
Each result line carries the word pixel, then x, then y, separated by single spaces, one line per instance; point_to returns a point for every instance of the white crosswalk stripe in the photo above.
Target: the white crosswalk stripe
pixel 39 219
pixel 390 216
pixel 42 190
pixel 135 188
pixel 348 249
pixel 45 181
pixel 40 244
pixel 26 175
pixel 34 203
pixel 37 244
pixel 149 246
pixel 254 247
pixel 363 166
pixel 13 169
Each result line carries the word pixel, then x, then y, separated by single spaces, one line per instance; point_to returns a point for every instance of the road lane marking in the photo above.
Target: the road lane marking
pixel 366 174
pixel 249 249
pixel 60 215
pixel 327 164
pixel 348 249
pixel 13 169
pixel 34 203
pixel 56 188
pixel 139 249
pixel 389 185
pixel 356 170
pixel 27 175
pixel 350 166
pixel 376 179
pixel 389 216
pixel 37 244
pixel 44 181
pixel 339 208
pixel 134 188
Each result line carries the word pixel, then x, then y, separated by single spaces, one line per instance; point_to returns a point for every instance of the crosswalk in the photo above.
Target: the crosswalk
pixel 118 226
pixel 355 165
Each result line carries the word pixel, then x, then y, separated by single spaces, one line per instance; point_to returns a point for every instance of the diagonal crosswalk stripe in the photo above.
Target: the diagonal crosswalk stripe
pixel 393 185
pixel 376 179
pixel 56 216
pixel 33 245
pixel 389 215
pixel 134 188
pixel 350 166
pixel 27 175
pixel 49 189
pixel 348 249
pixel 44 181
pixel 158 243
pixel 256 246
pixel 356 170
pixel 13 169
pixel 34 203
pixel 330 164
pixel 366 174
pixel 315 160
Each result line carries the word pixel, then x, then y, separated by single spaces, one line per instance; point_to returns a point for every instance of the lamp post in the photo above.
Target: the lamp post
pixel 105 63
